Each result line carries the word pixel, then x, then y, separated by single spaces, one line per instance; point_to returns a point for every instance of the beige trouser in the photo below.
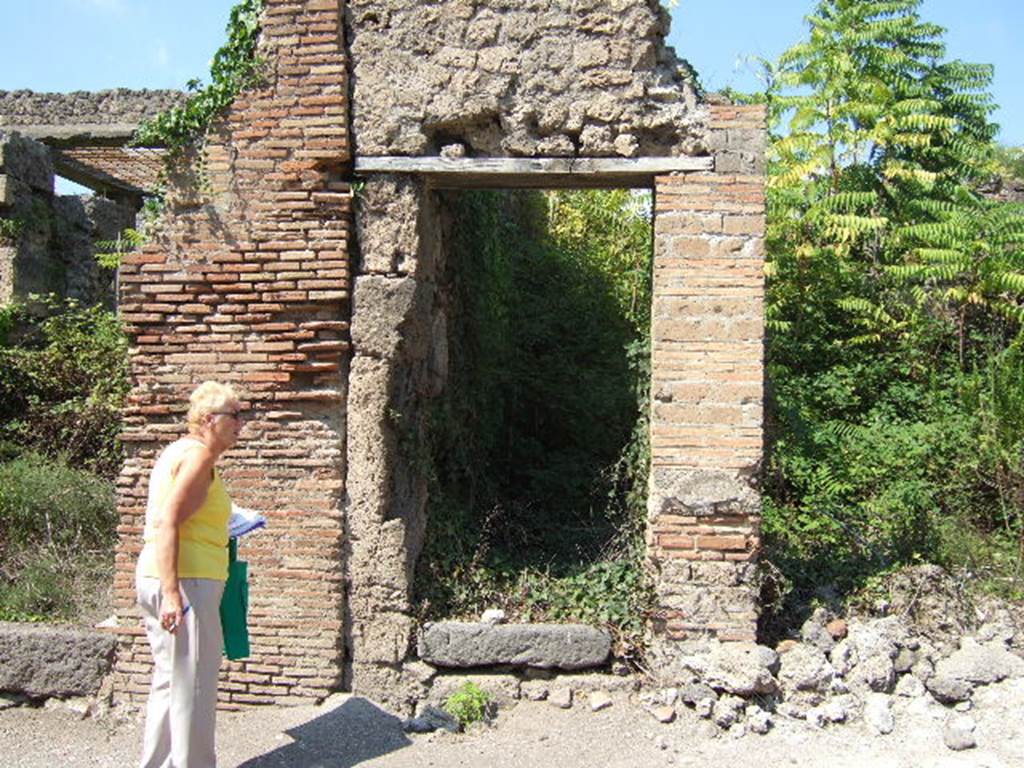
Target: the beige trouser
pixel 181 711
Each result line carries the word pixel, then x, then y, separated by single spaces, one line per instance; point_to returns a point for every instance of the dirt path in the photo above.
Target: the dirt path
pixel 350 731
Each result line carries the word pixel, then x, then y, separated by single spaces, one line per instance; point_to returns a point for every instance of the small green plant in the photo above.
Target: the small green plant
pixel 110 252
pixel 10 229
pixel 235 67
pixel 469 704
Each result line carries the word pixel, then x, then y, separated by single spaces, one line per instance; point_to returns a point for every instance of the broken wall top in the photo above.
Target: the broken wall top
pixel 526 78
pixel 82 116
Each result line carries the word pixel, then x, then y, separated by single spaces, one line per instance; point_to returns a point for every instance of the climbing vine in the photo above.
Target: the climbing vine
pixel 235 67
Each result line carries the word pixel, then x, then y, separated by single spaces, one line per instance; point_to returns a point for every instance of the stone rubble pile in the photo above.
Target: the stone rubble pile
pixel 873 669
pixel 930 654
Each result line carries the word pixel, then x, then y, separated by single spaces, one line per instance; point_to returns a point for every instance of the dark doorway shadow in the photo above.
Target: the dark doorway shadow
pixel 351 734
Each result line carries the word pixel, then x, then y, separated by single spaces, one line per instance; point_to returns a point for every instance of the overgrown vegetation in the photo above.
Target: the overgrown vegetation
pixel 235 67
pixel 894 309
pixel 56 534
pixel 538 449
pixel 63 379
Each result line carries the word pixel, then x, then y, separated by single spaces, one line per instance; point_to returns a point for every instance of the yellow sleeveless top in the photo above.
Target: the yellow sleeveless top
pixel 203 537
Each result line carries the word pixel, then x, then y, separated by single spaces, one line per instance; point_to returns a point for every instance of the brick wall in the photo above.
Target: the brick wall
pixel 707 387
pixel 248 283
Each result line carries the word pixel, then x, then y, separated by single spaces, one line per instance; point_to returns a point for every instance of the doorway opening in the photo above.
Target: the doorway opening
pixel 538 449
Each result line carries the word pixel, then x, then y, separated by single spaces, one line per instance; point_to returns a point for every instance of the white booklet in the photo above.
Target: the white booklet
pixel 244 521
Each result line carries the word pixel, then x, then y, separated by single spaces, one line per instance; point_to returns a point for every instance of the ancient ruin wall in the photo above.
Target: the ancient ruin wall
pixel 120 110
pixel 400 362
pixel 547 78
pixel 707 371
pixel 50 244
pixel 248 283
pixel 593 79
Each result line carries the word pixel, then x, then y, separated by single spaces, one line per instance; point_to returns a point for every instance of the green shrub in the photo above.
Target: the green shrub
pixel 63 384
pixel 469 704
pixel 57 529
pixel 45 503
pixel 874 465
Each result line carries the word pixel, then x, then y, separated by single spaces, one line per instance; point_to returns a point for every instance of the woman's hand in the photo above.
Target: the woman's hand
pixel 171 611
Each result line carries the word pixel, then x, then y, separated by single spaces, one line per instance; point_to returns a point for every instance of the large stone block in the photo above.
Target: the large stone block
pixel 700 492
pixel 562 646
pixel 387 225
pixel 743 669
pixel 380 307
pixel 53 661
pixel 26 160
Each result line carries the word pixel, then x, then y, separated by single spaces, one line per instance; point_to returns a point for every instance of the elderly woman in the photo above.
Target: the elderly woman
pixel 180 579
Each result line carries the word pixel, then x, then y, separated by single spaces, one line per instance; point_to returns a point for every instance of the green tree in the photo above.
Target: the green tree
pixel 875 123
pixel 891 281
pixel 967 261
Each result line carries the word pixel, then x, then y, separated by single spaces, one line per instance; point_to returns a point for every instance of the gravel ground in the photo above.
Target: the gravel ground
pixel 349 730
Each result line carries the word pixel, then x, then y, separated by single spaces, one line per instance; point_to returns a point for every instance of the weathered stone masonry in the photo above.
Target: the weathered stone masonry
pixel 88 135
pixel 519 78
pixel 256 280
pixel 50 246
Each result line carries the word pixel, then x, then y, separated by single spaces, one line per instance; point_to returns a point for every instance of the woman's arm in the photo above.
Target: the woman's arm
pixel 188 491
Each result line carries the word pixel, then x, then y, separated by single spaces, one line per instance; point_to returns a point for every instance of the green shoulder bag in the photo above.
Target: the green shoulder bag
pixel 234 605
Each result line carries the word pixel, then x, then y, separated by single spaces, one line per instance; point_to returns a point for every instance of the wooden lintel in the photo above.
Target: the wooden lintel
pixel 539 171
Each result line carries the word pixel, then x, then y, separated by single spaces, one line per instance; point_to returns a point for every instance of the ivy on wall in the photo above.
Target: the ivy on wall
pixel 235 67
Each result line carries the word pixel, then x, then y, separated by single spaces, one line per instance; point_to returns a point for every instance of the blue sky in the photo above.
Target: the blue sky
pixel 66 45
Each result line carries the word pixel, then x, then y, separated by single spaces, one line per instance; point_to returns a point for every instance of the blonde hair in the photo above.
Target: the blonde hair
pixel 208 397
